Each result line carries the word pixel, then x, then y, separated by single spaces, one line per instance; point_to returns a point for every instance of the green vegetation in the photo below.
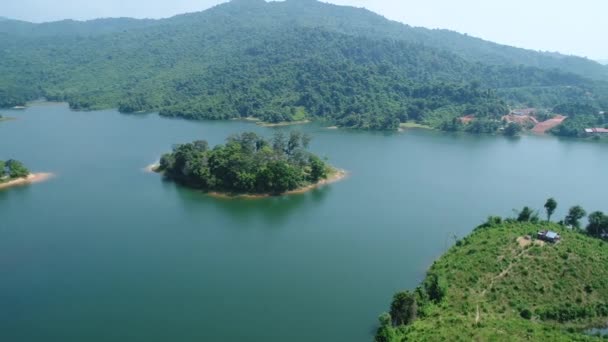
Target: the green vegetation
pixel 247 164
pixel 580 116
pixel 502 284
pixel 12 169
pixel 513 129
pixel 575 214
pixel 550 207
pixel 287 61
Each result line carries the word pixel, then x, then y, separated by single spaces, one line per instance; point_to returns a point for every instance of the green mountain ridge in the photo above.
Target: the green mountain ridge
pixel 342 19
pixel 271 60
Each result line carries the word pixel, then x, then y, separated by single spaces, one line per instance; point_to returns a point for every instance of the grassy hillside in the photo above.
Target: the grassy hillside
pixel 280 61
pixel 500 287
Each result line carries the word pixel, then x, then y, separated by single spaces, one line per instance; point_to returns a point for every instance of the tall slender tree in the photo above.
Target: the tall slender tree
pixel 550 207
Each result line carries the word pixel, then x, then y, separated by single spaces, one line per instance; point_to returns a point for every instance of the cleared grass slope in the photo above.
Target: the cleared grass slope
pixel 502 287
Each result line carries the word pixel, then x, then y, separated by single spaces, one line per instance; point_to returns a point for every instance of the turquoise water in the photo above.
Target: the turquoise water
pixel 107 252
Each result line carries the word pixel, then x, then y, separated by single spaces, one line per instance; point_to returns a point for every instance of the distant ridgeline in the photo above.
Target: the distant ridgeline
pixel 520 279
pixel 246 164
pixel 287 61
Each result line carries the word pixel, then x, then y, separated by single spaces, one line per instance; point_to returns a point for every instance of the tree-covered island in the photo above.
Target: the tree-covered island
pixel 248 164
pixel 14 173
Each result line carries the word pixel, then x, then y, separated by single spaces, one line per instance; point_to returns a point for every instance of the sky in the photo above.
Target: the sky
pixel 567 26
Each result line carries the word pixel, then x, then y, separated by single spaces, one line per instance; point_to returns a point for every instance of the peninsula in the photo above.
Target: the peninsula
pixel 249 165
pixel 517 279
pixel 14 173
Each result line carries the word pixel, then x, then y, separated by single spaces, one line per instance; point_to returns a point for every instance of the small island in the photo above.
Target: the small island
pixel 514 279
pixel 14 173
pixel 249 165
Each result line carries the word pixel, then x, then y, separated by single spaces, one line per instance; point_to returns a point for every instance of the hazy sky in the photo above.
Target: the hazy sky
pixel 568 26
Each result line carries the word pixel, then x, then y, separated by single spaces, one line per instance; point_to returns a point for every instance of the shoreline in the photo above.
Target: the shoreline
pixel 335 177
pixel 261 123
pixel 30 179
pixel 281 124
pixel 152 168
pixel 404 126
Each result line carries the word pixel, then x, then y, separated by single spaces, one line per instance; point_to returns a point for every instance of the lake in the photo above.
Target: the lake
pixel 107 252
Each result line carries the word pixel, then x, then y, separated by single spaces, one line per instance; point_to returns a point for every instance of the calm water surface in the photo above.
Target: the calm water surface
pixel 106 252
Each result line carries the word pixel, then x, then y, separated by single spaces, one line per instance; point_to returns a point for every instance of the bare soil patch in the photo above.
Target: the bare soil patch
pixel 543 127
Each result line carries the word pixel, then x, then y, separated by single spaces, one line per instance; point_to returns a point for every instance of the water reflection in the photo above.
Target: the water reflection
pixel 272 211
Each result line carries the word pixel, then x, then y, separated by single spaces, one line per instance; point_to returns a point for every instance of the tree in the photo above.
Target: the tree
pixel 512 129
pixel 526 314
pixel 550 207
pixel 2 169
pixel 16 169
pixel 435 287
pixel 385 319
pixel 527 215
pixel 306 140
pixel 279 143
pixel 294 141
pixel 575 214
pixel 318 170
pixel 386 332
pixel 403 308
pixel 201 145
pixel 598 224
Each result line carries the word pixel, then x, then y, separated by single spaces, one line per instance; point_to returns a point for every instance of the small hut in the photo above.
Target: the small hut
pixel 549 236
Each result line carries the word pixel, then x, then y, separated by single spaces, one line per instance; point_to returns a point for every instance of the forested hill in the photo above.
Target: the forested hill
pixel 284 61
pixel 315 14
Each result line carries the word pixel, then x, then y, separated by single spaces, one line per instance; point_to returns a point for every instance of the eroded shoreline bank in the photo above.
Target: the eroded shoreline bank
pixel 30 179
pixel 334 177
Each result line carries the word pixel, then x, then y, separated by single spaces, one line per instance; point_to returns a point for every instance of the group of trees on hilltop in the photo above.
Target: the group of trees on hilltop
pixel 12 169
pixel 246 164
pixel 597 221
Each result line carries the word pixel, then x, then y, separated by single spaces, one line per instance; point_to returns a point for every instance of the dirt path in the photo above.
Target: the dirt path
pixel 498 277
pixel 544 126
